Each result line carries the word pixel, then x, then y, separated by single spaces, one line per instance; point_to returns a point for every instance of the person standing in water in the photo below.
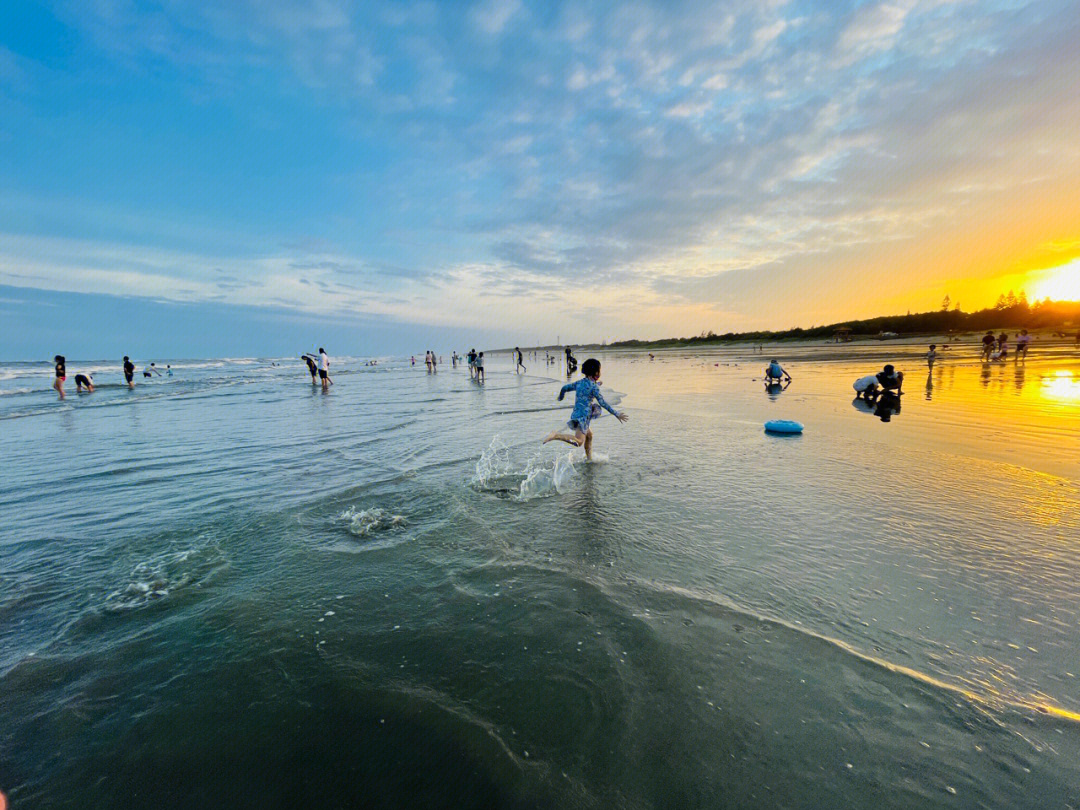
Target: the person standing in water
pixel 520 361
pixel 84 381
pixel 61 374
pixel 585 410
pixel 988 343
pixel 454 359
pixel 479 363
pixel 311 367
pixel 129 372
pixel 324 369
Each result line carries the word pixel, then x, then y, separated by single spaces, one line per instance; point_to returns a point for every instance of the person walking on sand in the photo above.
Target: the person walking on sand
pixel 84 381
pixel 311 367
pixel 61 374
pixel 324 369
pixel 585 410
pixel 931 356
pixel 1023 341
pixel 129 372
pixel 520 361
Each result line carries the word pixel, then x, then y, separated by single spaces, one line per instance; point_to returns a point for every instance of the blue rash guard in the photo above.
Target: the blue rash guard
pixel 584 411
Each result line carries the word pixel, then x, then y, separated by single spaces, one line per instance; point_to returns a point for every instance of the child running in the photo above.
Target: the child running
pixel 585 410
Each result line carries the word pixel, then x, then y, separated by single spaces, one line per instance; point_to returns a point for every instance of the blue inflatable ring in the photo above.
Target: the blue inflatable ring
pixel 783 426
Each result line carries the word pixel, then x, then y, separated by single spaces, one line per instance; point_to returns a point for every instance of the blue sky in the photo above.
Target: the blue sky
pixel 259 174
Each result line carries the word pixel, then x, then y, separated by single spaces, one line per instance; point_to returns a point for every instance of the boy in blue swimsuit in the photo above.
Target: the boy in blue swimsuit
pixel 585 410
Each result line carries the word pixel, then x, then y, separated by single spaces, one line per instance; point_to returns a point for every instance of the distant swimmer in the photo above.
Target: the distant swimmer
pixel 324 369
pixel 774 372
pixel 412 360
pixel 434 362
pixel 168 370
pixel 988 344
pixel 61 374
pixel 520 361
pixel 586 390
pixel 84 381
pixel 129 372
pixel 150 372
pixel 454 359
pixel 480 367
pixel 311 367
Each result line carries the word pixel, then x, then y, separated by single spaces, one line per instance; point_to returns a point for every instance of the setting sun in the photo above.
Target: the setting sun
pixel 1059 284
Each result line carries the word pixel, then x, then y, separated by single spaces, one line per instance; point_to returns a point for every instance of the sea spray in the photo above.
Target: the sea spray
pixel 540 476
pixel 365 522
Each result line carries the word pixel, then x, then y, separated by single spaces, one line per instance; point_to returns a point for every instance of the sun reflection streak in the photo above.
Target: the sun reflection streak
pixel 1063 386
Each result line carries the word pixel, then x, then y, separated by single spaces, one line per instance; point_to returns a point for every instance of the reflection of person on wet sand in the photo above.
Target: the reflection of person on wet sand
pixel 775 388
pixel 888 404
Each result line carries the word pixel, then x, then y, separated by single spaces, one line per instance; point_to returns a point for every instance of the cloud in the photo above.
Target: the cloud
pixel 492 16
pixel 650 155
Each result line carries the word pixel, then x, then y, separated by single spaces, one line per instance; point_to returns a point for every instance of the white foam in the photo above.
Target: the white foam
pixel 365 522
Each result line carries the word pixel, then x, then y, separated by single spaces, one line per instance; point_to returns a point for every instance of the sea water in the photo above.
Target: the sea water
pixel 227 588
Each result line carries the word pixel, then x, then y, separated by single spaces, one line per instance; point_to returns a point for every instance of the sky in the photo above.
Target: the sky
pixel 257 177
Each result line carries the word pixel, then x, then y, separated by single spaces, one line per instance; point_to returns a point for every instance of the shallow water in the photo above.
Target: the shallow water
pixel 227 588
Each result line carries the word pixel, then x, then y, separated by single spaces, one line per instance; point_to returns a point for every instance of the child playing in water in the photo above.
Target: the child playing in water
pixel 774 372
pixel 585 410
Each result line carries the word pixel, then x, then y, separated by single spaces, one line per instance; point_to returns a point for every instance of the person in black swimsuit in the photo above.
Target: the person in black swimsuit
pixel 307 358
pixel 129 372
pixel 84 381
pixel 61 374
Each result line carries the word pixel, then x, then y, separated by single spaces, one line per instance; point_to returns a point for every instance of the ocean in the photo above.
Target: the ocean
pixel 227 588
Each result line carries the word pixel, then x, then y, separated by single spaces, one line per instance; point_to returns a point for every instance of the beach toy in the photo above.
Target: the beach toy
pixel 783 426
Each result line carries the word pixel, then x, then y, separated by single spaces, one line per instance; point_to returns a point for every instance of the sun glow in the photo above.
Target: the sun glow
pixel 1062 387
pixel 1059 284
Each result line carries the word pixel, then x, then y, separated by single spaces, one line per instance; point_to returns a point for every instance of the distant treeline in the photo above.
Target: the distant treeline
pixel 1012 312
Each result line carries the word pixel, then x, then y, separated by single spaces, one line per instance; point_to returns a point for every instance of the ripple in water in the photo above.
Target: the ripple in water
pixel 166 574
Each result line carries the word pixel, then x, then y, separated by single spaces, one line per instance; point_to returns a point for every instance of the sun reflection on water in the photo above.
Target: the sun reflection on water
pixel 1063 386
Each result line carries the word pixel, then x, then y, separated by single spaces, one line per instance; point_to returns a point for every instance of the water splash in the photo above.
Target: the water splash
pixel 540 476
pixel 164 574
pixel 366 522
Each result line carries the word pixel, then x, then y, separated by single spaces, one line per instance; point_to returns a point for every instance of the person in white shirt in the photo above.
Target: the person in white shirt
pixel 1022 343
pixel 324 369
